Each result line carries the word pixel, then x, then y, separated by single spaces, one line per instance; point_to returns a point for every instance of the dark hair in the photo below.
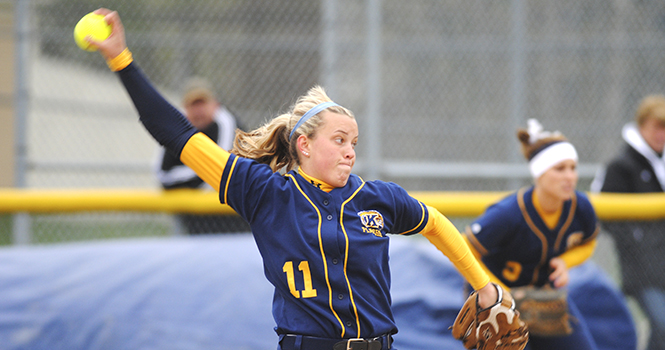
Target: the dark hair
pixel 532 147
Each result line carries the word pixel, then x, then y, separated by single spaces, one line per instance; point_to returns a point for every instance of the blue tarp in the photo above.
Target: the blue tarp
pixel 209 292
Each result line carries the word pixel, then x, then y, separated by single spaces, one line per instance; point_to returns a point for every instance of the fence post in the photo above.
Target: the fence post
pixel 24 35
pixel 372 159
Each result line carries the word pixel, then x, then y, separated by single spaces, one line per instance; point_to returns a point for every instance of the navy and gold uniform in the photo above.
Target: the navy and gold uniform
pixel 516 243
pixel 325 252
pixel 324 249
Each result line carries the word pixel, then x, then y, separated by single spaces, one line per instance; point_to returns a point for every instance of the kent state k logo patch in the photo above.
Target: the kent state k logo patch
pixel 372 222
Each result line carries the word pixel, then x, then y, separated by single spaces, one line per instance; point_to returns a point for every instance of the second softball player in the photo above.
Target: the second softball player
pixel 532 237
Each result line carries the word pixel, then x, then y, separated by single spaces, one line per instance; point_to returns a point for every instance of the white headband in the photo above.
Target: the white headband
pixel 550 157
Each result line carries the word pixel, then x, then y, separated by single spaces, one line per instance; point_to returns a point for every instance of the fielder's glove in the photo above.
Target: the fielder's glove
pixel 544 310
pixel 496 327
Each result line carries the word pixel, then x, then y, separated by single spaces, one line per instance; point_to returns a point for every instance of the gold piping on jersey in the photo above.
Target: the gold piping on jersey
pixel 228 180
pixel 569 220
pixel 346 255
pixel 594 235
pixel 536 231
pixel 422 218
pixel 475 242
pixel 323 254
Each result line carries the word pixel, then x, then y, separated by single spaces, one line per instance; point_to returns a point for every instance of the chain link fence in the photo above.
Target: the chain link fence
pixel 439 87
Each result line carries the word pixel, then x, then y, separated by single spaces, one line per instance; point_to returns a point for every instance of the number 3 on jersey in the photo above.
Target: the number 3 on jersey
pixel 309 292
pixel 512 271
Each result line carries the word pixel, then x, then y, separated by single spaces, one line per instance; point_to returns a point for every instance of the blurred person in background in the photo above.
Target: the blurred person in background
pixel 534 236
pixel 204 111
pixel 640 168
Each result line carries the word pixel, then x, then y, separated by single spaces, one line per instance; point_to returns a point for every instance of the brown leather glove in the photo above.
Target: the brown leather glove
pixel 496 327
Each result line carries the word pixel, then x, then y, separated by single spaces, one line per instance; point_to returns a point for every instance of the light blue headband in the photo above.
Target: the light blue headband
pixel 312 112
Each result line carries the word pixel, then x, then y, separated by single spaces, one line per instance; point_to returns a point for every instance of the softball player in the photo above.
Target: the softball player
pixel 533 236
pixel 321 231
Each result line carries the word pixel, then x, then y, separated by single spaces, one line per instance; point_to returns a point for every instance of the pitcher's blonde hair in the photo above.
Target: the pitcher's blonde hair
pixel 270 143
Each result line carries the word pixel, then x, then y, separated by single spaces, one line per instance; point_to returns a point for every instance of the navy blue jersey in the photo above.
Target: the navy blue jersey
pixel 516 245
pixel 325 253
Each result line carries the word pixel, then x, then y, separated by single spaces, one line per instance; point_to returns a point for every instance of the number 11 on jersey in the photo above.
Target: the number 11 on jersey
pixel 309 292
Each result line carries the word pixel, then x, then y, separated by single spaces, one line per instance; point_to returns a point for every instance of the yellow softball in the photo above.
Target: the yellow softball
pixel 94 25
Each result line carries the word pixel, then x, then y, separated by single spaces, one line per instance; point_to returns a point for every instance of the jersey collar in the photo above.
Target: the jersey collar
pixel 316 182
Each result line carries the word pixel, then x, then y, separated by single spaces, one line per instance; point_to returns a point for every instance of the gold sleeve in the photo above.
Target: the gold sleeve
pixel 206 158
pixel 579 254
pixel 445 236
pixel 476 253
